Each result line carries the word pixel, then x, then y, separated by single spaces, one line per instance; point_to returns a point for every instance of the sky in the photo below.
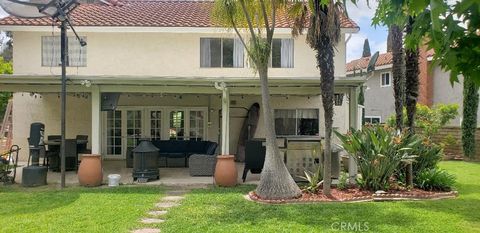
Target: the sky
pixel 377 37
pixel 362 15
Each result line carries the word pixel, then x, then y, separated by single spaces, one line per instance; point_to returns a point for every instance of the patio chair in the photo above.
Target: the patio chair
pixel 71 155
pixel 82 148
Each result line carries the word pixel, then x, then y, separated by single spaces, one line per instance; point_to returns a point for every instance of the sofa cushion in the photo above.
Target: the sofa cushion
pixel 210 148
pixel 196 147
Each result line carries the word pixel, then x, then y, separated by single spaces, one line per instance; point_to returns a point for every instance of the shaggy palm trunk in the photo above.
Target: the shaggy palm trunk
pixel 397 73
pixel 275 180
pixel 411 78
pixel 469 123
pixel 324 57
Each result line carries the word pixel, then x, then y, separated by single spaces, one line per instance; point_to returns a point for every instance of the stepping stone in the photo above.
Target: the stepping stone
pixel 173 198
pixel 176 192
pixel 166 204
pixel 146 230
pixel 151 220
pixel 157 212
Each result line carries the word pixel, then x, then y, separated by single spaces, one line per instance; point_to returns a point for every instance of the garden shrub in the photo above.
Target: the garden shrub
pixel 379 152
pixel 343 181
pixel 435 180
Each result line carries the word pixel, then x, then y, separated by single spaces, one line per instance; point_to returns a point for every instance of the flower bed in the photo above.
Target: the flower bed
pixel 357 195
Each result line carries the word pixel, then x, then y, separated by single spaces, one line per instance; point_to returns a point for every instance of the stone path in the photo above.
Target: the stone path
pixel 173 198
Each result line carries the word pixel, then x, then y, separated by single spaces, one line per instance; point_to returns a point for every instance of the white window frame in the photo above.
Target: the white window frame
pixel 221 54
pixel 389 79
pixel 57 40
pixel 270 62
pixel 372 117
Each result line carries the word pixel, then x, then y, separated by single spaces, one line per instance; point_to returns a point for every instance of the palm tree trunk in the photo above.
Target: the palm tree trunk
pixel 325 62
pixel 411 78
pixel 275 181
pixel 398 75
pixel 469 122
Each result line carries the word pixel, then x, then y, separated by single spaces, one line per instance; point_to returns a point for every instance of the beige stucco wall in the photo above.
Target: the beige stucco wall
pixel 157 54
pixel 28 109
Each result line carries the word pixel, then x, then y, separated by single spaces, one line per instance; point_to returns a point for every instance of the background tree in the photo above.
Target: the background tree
pixel 453 31
pixel 322 36
pixel 389 40
pixel 391 14
pixel 366 49
pixel 257 18
pixel 5 68
pixel 7 46
pixel 411 79
pixel 469 122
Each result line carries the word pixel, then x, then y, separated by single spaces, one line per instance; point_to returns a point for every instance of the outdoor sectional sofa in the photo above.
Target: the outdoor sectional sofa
pixel 178 149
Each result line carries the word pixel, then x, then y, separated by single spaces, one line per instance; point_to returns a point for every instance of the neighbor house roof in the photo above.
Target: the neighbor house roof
pixel 146 13
pixel 383 59
pixel 362 63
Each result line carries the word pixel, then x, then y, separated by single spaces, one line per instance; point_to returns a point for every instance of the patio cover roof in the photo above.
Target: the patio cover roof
pixel 156 84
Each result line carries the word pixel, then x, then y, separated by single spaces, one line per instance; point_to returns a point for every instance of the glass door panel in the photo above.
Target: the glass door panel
pixel 134 128
pixel 197 125
pixel 177 125
pixel 156 125
pixel 114 133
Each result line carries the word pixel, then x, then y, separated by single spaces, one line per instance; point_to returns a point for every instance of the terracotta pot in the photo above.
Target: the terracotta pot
pixel 226 171
pixel 90 171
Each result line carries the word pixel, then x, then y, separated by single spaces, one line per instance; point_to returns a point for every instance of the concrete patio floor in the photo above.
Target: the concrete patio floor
pixel 168 176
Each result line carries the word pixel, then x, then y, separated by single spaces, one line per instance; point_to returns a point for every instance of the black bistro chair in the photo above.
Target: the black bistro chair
pixel 254 157
pixel 71 155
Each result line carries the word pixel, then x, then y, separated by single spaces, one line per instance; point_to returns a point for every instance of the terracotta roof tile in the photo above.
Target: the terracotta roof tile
pixel 362 63
pixel 146 13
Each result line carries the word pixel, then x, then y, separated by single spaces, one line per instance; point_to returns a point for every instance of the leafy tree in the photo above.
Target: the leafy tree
pixel 322 36
pixel 5 68
pixel 453 32
pixel 7 46
pixel 366 49
pixel 259 18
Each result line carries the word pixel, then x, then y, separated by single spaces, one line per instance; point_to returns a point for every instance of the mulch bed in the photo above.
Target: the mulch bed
pixel 357 195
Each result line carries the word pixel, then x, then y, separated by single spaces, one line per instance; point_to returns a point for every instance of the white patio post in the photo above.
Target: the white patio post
pixel 225 117
pixel 355 124
pixel 96 140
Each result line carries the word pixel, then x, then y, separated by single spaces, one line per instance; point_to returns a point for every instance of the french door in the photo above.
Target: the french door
pixel 125 126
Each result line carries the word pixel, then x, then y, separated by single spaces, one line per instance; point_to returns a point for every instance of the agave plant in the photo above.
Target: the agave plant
pixel 379 152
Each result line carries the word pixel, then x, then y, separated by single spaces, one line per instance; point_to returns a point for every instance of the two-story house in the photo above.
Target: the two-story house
pixel 163 58
pixel 434 86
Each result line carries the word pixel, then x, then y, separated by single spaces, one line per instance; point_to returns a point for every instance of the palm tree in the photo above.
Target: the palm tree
pixel 258 17
pixel 411 78
pixel 398 74
pixel 322 36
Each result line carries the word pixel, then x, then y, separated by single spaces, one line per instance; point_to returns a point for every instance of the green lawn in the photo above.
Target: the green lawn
pixel 225 210
pixel 46 209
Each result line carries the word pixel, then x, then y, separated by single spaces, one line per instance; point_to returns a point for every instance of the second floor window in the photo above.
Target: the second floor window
pixel 282 53
pixel 217 52
pixel 385 80
pixel 76 55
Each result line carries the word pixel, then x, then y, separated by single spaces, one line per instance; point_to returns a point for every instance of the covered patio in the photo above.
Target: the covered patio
pixel 216 97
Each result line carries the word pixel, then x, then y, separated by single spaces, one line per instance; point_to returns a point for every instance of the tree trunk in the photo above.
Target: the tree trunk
pixel 411 78
pixel 275 180
pixel 397 73
pixel 469 122
pixel 325 62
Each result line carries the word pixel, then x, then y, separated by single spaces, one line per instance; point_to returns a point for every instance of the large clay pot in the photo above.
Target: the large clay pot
pixel 226 171
pixel 90 171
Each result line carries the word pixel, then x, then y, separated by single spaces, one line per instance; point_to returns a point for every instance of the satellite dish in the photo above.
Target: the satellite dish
pixel 38 8
pixel 371 63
